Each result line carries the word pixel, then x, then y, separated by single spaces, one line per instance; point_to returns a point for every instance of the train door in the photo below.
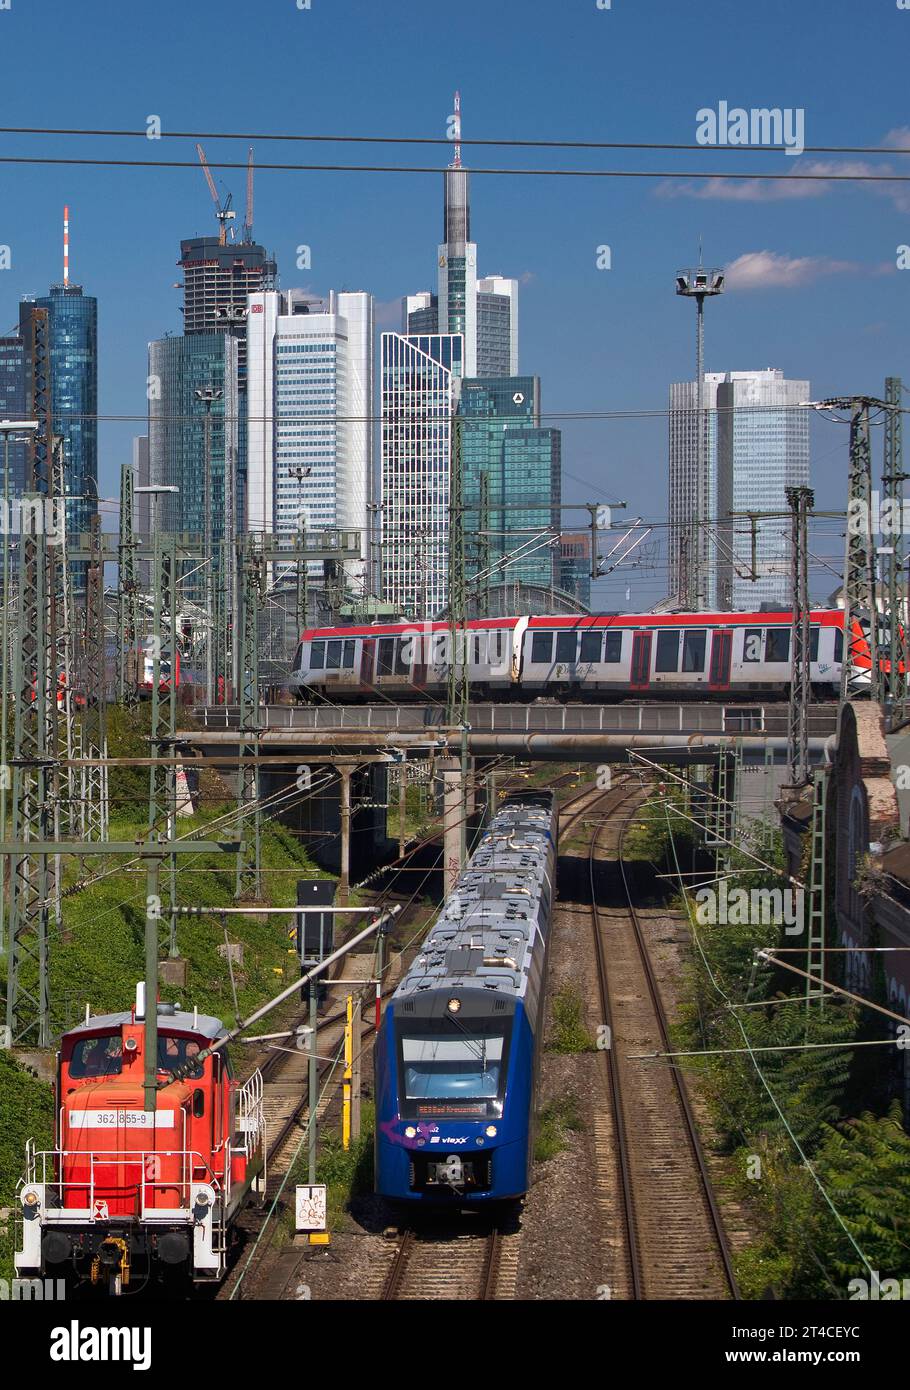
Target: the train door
pixel 641 661
pixel 721 656
pixel 366 663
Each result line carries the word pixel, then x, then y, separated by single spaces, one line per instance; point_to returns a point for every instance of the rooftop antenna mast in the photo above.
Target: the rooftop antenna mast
pixel 456 131
pixel 66 246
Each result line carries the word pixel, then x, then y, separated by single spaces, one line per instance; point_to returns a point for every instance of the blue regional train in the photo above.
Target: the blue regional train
pixel 457 1053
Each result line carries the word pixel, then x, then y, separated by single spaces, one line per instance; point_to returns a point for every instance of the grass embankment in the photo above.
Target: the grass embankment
pixel 98 954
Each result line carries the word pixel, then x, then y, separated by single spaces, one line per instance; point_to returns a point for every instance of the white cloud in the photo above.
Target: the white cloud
pixel 764 270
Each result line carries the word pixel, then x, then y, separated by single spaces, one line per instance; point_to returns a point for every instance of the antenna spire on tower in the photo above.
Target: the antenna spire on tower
pixel 66 245
pixel 456 128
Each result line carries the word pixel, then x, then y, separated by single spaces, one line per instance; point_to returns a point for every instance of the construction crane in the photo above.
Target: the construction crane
pixel 223 212
pixel 248 223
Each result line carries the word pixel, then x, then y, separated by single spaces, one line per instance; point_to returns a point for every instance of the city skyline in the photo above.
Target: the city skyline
pixel 812 283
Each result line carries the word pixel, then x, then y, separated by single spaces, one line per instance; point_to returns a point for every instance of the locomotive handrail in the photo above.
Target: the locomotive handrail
pixel 113 1158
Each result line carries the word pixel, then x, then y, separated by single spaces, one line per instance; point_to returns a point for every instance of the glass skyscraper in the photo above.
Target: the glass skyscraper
pixel 179 366
pixel 73 318
pixel 13 407
pixel 418 400
pixel 502 441
pixel 757 447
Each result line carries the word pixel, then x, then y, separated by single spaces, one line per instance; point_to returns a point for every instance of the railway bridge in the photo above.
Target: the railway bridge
pixel 341 754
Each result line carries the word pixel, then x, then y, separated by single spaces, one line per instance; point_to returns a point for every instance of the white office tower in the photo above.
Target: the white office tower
pixel 497 326
pixel 684 518
pixel 310 389
pixel 419 388
pixel 757 447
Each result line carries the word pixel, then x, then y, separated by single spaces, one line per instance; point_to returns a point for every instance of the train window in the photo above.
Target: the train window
pixel 613 646
pixel 589 649
pixel 403 657
pixel 566 646
pixel 332 656
pixel 97 1057
pixel 198 1103
pixel 813 643
pixel 298 658
pixel 476 648
pixel 667 651
pixel 385 657
pixel 752 643
pixel 777 644
pixel 542 646
pixel 694 644
pixel 317 656
pixel 349 652
pixel 838 644
pixel 463 1068
pixel 498 647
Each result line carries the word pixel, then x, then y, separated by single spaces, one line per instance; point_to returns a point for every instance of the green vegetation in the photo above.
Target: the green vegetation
pixel 26 1112
pixel 567 1031
pixel 788 1116
pixel 554 1124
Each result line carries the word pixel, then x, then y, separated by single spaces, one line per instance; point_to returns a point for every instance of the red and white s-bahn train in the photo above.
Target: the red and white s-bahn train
pixel 602 656
pixel 128 1193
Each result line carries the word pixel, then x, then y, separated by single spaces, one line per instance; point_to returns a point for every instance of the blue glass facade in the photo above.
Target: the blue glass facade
pixel 73 320
pixel 177 368
pixel 502 439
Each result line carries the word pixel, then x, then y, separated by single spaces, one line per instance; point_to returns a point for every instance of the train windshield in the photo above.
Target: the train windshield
pixel 442 1067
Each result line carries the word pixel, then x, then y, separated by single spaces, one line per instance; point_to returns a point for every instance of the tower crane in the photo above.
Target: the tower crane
pixel 248 221
pixel 223 212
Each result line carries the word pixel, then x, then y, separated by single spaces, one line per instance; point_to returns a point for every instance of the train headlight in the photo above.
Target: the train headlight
pixel 202 1199
pixel 490 1131
pixel 453 1006
pixel 410 1132
pixel 30 1199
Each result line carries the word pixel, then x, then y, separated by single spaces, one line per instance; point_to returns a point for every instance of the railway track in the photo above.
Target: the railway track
pixel 652 1176
pixel 434 1263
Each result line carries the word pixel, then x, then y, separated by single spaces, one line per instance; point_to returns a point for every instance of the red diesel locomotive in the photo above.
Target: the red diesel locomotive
pixel 128 1192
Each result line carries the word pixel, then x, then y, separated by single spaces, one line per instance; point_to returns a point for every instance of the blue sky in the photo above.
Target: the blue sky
pixel 818 295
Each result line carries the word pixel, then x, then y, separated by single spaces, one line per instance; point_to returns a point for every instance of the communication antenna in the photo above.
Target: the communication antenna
pixel 456 162
pixel 66 246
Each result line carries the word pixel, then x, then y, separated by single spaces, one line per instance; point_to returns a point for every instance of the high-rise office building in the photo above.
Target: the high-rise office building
pixel 73 322
pixel 419 391
pixel 13 407
pixel 310 391
pixel 217 281
pixel 757 446
pixel 575 565
pixel 683 485
pixel 178 368
pixel 484 312
pixel 503 444
pixel 762 449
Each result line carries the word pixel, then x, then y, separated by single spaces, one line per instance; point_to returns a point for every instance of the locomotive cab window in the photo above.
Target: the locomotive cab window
pixel 777 644
pixel 174 1052
pixel 542 646
pixel 317 656
pixel 442 1064
pixel 667 651
pixel 589 648
pixel 97 1057
pixel 694 644
pixel 566 644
